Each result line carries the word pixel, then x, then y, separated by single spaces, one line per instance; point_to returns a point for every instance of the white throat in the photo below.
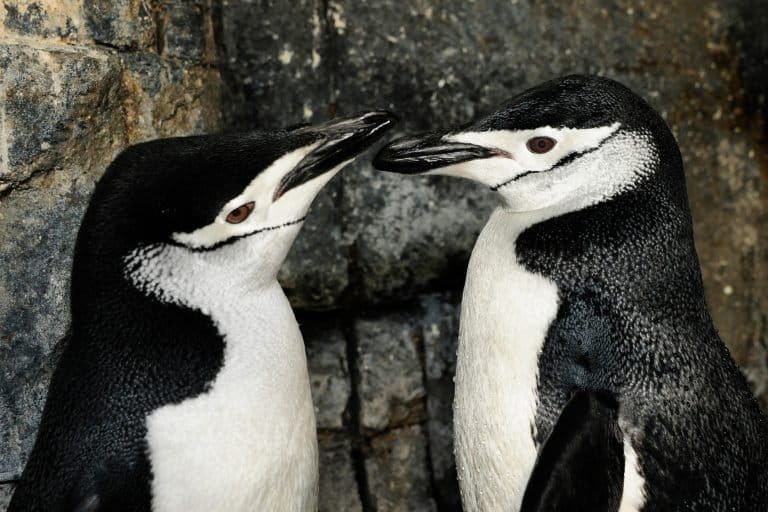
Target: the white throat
pixel 249 442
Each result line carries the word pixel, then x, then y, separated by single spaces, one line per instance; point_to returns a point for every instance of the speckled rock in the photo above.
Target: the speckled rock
pixel 124 24
pixel 391 386
pixel 338 486
pixel 272 58
pixel 168 97
pixel 328 375
pixel 183 26
pixel 410 234
pixel 64 114
pixel 397 470
pixel 110 23
pixel 440 332
pixel 6 490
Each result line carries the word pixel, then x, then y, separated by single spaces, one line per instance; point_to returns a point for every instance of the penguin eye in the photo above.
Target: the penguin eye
pixel 541 144
pixel 240 213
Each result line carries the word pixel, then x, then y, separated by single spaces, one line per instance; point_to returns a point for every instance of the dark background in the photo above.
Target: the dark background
pixel 376 274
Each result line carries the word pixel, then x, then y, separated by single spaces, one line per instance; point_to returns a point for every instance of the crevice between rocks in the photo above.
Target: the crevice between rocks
pixel 110 46
pixel 357 439
pixel 348 297
pixel 421 350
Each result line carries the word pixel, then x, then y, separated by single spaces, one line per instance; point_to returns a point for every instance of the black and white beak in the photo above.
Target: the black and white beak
pixel 340 140
pixel 427 152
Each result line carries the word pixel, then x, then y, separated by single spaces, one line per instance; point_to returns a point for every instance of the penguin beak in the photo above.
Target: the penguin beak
pixel 427 152
pixel 340 140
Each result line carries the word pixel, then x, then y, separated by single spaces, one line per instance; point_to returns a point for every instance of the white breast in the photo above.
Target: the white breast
pixel 505 314
pixel 249 442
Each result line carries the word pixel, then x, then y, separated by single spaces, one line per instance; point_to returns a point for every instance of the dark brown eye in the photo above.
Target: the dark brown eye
pixel 240 213
pixel 541 144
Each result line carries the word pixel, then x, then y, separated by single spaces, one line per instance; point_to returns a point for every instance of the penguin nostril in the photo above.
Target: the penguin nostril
pixel 240 213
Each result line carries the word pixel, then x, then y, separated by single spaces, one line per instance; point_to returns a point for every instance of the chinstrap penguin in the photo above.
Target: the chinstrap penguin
pixel 589 373
pixel 183 385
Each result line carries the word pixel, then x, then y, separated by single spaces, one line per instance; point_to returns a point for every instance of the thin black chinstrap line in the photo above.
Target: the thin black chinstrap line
pixel 565 160
pixel 240 237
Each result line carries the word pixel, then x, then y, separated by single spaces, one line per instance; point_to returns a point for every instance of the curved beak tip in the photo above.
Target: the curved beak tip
pixel 341 140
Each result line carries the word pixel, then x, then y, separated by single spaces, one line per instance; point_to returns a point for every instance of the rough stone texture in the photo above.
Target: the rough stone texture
pixel 6 491
pixel 410 234
pixel 383 257
pixel 123 24
pixel 329 375
pixel 397 475
pixel 338 487
pixel 391 387
pixel 66 112
pixel 440 332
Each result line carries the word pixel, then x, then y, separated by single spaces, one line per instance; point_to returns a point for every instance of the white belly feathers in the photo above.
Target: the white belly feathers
pixel 249 443
pixel 506 312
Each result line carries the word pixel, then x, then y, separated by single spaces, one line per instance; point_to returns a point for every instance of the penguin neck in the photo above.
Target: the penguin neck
pixel 158 301
pixel 639 243
pixel 254 425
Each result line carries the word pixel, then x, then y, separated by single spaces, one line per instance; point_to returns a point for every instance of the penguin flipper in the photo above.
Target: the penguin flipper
pixel 581 465
pixel 113 486
pixel 90 503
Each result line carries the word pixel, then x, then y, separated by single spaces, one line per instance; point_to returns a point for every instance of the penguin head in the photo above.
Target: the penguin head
pixel 564 144
pixel 187 206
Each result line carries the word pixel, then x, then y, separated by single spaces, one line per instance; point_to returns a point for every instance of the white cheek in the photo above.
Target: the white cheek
pixel 296 202
pixel 495 171
pixel 207 235
pixel 592 178
pixel 488 171
pixel 259 191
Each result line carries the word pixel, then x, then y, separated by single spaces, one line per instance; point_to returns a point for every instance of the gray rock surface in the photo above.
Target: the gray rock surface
pixel 6 491
pixel 65 113
pixel 338 485
pixel 440 332
pixel 391 386
pixel 329 375
pixel 397 472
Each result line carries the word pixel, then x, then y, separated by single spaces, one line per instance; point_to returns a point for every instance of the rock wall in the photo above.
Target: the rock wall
pixel 377 271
